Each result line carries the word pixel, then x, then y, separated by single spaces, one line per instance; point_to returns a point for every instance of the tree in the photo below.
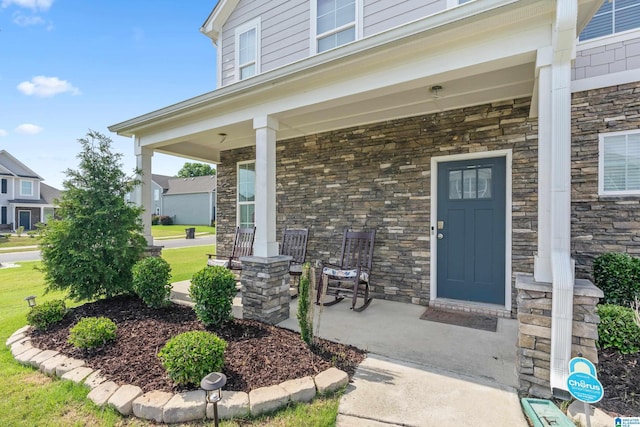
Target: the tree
pixel 195 169
pixel 90 249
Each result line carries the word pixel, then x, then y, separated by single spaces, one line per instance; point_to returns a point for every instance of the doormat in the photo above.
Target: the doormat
pixel 459 318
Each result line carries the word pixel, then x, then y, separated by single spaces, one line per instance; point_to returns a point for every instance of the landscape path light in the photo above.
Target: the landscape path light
pixel 31 300
pixel 213 384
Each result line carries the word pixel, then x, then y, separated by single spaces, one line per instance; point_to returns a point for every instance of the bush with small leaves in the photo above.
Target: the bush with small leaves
pixel 151 281
pixel 46 314
pixel 212 290
pixel 618 329
pixel 618 275
pixel 92 332
pixel 190 356
pixel 305 308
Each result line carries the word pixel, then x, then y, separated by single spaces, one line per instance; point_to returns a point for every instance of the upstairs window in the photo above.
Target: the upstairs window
pixel 248 49
pixel 4 186
pixel 619 163
pixel 614 16
pixel 246 194
pixel 26 188
pixel 335 23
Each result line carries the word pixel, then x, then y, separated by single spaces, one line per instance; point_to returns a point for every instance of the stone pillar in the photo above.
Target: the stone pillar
pixel 265 288
pixel 534 330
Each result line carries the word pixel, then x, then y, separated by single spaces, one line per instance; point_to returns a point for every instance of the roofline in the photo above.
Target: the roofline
pixel 34 176
pixel 335 56
pixel 216 19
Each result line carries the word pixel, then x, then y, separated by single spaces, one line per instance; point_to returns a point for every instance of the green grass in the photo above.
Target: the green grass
pixel 15 241
pixel 30 398
pixel 168 231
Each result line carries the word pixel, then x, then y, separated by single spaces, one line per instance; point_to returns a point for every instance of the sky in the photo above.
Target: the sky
pixel 70 66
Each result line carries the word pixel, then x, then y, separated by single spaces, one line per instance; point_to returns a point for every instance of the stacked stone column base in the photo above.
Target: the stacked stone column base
pixel 265 288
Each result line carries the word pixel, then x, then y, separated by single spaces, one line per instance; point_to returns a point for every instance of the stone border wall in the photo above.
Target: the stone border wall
pixel 534 331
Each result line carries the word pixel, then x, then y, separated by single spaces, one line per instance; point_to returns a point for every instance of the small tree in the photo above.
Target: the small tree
pixel 195 169
pixel 92 244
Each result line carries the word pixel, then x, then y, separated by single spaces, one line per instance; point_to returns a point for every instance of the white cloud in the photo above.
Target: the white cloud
pixel 29 129
pixel 29 4
pixel 47 86
pixel 27 21
pixel 3 133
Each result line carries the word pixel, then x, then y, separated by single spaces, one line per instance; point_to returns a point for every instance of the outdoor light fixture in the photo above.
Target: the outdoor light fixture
pixel 213 384
pixel 435 89
pixel 31 300
pixel 222 136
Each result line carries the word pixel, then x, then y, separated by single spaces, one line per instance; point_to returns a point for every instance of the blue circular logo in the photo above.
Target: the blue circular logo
pixel 585 387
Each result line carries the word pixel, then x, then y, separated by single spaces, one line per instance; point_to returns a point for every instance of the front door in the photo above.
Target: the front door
pixel 24 219
pixel 470 230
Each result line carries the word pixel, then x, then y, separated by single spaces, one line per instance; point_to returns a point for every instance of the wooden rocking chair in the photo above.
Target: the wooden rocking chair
pixel 294 244
pixel 242 246
pixel 352 275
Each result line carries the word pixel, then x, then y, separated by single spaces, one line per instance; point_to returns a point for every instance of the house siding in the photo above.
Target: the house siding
pixel 601 223
pixel 284 36
pixel 378 176
pixel 191 209
pixel 607 59
pixel 381 15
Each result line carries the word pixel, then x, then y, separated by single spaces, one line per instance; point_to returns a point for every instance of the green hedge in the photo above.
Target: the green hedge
pixel 618 276
pixel 92 332
pixel 212 290
pixel 618 329
pixel 46 314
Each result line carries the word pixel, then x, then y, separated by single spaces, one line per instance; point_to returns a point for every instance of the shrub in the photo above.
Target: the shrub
pixel 165 220
pixel 46 314
pixel 155 219
pixel 92 332
pixel 151 278
pixel 190 356
pixel 618 329
pixel 212 290
pixel 618 275
pixel 20 230
pixel 305 313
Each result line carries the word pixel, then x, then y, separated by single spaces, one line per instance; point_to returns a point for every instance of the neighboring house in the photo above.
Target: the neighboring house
pixel 481 140
pixel 24 199
pixel 191 200
pixel 159 187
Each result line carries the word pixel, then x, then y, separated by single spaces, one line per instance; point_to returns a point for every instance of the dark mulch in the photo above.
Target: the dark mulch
pixel 257 355
pixel 620 377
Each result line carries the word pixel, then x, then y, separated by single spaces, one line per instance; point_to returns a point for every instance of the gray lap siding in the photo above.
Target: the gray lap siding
pixel 378 176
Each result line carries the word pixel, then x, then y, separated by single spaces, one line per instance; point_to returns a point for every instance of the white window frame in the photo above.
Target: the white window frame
pixel 156 194
pixel 613 37
pixel 22 193
pixel 601 142
pixel 254 24
pixel 358 23
pixel 238 202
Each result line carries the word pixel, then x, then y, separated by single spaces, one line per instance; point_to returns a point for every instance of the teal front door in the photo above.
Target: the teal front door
pixel 470 230
pixel 24 219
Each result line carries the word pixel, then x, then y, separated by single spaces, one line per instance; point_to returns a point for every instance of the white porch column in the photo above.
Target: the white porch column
pixel 265 244
pixel 143 193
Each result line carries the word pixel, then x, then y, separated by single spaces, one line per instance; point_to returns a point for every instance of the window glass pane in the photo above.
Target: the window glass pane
pixel 626 3
pixel 326 6
pixel 346 36
pixel 26 188
pixel 326 43
pixel 345 14
pixel 326 22
pixel 599 26
pixel 247 216
pixel 246 182
pixel 247 50
pixel 633 162
pixel 247 71
pixel 469 184
pixel 614 163
pixel 484 183
pixel 455 185
pixel 628 18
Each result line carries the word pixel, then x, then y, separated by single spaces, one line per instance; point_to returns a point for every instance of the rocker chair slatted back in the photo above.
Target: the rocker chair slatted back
pixel 294 244
pixel 357 249
pixel 243 242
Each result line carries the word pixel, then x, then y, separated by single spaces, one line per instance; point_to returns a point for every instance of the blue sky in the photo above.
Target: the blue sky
pixel 67 66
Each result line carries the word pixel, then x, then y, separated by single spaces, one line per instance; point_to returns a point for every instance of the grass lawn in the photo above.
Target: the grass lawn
pixel 169 231
pixel 30 398
pixel 14 241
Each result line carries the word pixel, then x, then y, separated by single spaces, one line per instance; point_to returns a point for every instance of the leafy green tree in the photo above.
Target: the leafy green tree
pixel 195 169
pixel 90 249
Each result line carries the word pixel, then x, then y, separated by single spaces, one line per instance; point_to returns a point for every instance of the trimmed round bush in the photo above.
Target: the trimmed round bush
pixel 151 281
pixel 618 329
pixel 618 275
pixel 46 314
pixel 190 356
pixel 212 290
pixel 92 332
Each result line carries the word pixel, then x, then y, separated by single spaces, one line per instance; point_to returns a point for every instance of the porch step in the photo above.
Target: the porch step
pixel 470 307
pixel 180 295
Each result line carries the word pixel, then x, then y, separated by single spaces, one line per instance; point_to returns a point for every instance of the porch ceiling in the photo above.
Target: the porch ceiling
pixel 380 78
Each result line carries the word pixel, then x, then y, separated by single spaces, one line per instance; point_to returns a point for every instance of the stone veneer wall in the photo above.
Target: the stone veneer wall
pixel 534 331
pixel 378 175
pixel 601 223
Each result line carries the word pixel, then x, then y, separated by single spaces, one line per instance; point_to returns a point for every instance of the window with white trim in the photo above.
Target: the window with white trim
pixel 335 23
pixel 619 163
pixel 156 194
pixel 614 16
pixel 247 194
pixel 3 184
pixel 248 49
pixel 26 187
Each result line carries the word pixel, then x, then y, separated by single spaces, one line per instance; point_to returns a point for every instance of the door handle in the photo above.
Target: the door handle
pixel 440 236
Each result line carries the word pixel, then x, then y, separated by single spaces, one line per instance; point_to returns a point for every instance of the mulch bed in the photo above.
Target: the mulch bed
pixel 257 355
pixel 620 377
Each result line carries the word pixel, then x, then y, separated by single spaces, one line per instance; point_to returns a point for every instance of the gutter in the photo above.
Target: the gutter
pixel 563 50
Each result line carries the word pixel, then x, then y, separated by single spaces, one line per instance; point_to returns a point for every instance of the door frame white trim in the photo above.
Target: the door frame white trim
pixel 508 155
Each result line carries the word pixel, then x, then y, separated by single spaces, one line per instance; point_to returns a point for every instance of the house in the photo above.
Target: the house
pixel 493 144
pixel 190 201
pixel 24 199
